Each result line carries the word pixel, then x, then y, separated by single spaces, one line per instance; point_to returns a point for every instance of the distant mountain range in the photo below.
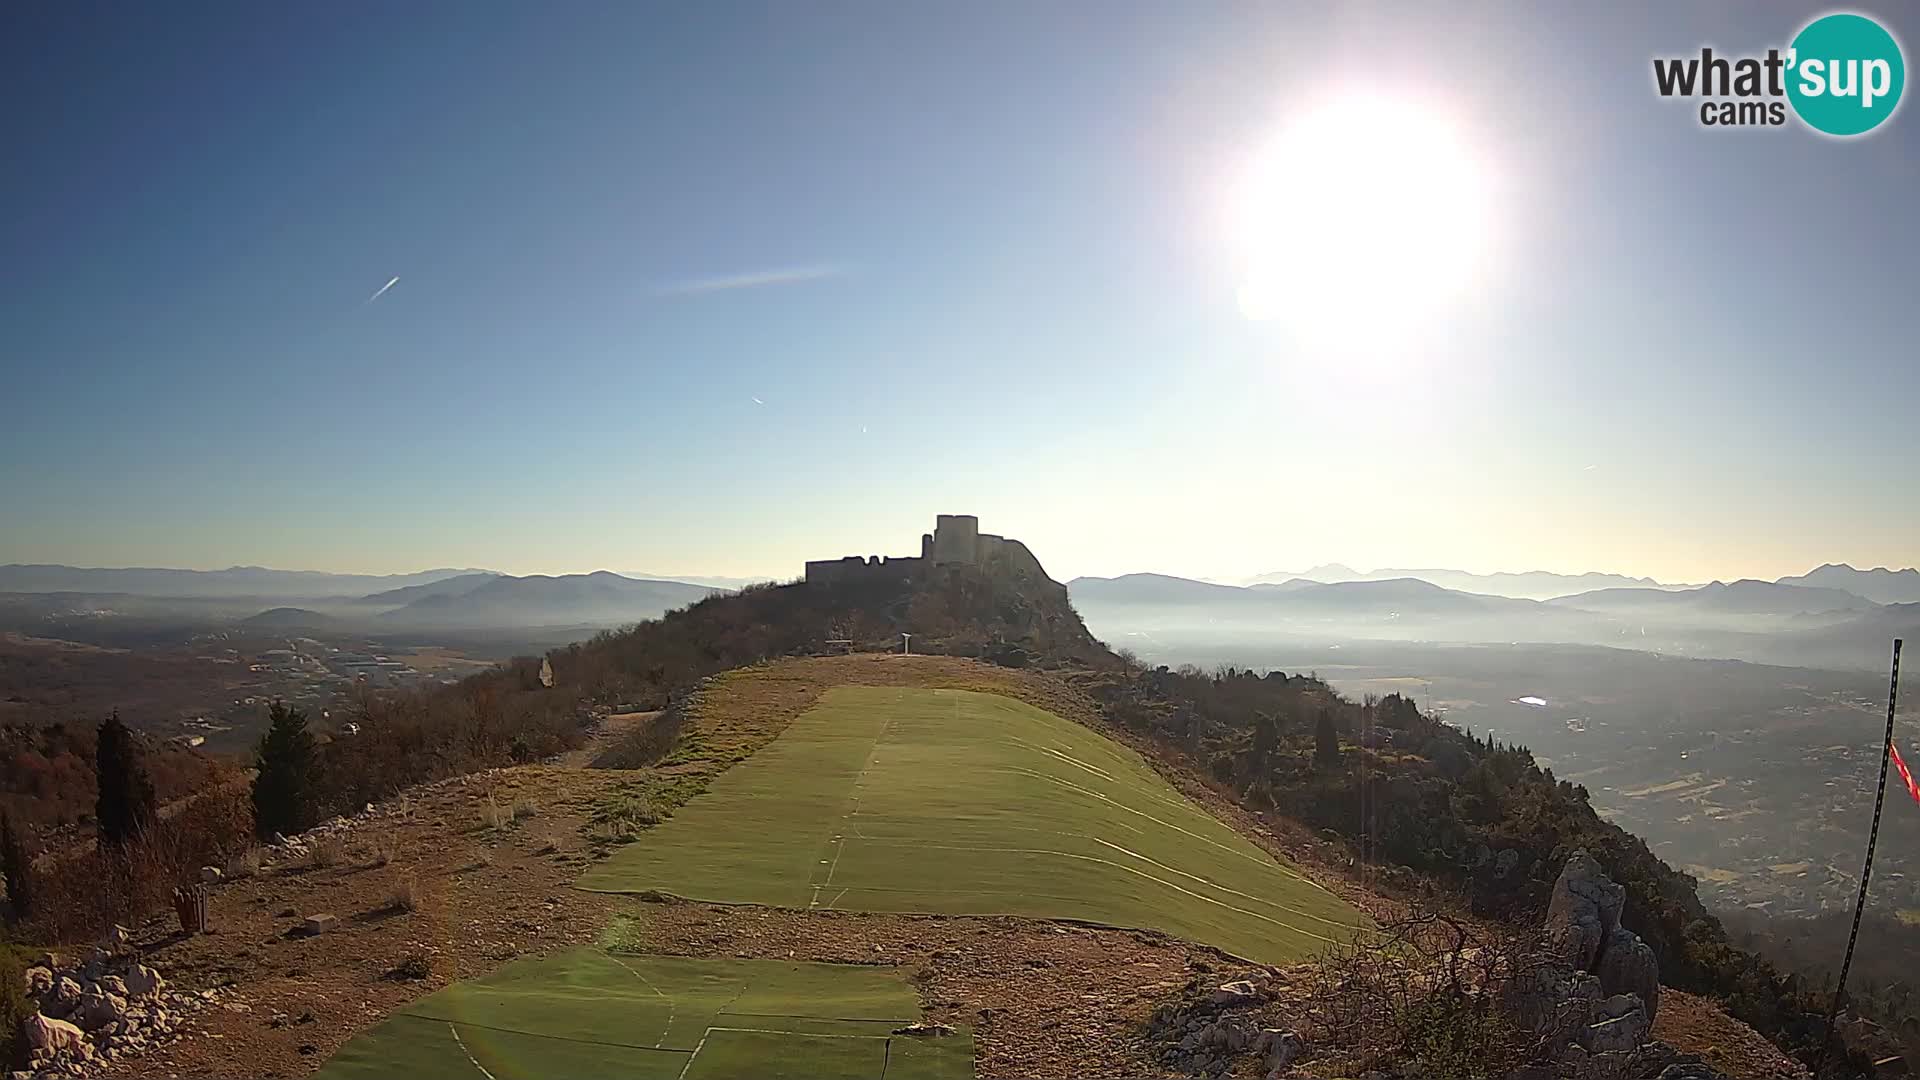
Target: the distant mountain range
pixel 1396 596
pixel 314 600
pixel 254 581
pixel 1746 597
pixel 1771 622
pixel 1880 585
pixel 1528 585
pixel 489 601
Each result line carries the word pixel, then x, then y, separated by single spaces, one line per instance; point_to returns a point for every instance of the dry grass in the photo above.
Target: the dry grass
pixel 405 895
pixel 327 851
pixel 384 851
pixel 246 864
pixel 524 808
pixel 493 815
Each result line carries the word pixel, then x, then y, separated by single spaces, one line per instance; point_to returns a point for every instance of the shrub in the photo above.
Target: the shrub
pixel 247 863
pixel 1425 990
pixel 405 895
pixel 325 851
pixel 82 894
pixel 412 968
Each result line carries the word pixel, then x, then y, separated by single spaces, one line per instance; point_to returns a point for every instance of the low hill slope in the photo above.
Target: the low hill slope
pixel 928 800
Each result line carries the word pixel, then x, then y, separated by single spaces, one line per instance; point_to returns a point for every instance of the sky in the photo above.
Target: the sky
pixel 719 288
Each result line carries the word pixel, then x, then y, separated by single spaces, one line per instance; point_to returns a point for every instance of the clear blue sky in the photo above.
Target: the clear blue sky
pixel 968 258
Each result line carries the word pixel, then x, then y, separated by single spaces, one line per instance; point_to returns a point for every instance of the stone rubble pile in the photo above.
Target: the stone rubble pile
pixel 99 1010
pixel 1210 1032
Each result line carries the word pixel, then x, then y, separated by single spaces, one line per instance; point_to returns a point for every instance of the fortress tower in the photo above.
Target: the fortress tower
pixel 956 539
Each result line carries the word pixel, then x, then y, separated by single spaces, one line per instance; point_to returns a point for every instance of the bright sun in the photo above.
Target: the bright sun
pixel 1360 222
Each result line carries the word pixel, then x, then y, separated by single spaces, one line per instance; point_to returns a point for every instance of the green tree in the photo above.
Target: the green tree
pixel 1326 741
pixel 126 806
pixel 283 789
pixel 17 865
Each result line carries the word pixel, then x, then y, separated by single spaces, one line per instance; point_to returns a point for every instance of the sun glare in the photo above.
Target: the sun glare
pixel 1359 223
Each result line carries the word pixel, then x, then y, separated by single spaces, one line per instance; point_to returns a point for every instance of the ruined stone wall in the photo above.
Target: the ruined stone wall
pixel 856 568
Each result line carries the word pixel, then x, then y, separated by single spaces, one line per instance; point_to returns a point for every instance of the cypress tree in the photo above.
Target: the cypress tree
pixel 126 806
pixel 283 795
pixel 17 865
pixel 1326 741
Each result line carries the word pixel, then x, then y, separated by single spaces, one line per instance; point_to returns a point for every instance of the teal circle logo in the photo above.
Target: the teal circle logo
pixel 1845 74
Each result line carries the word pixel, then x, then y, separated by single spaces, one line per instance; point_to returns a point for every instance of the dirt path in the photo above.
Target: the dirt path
pixel 612 727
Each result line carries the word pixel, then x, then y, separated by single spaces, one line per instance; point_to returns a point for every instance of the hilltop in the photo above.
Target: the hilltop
pixel 1152 835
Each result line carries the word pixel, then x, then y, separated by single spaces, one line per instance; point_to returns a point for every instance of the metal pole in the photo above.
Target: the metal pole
pixel 1866 871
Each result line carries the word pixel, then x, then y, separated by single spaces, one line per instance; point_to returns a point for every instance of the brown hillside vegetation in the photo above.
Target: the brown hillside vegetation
pixel 452 879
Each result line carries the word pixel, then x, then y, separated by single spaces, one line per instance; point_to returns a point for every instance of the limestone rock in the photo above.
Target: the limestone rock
pixel 65 997
pixel 39 981
pixel 142 981
pixel 1627 966
pixel 1584 911
pixel 98 1010
pixel 46 1033
pixel 1277 1049
pixel 315 925
pixel 1620 1033
pixel 1240 992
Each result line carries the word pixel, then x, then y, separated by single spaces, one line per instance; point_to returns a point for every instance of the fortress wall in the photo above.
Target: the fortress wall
pixel 856 568
pixel 956 538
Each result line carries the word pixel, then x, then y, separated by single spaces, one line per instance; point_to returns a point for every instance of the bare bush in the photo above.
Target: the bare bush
pixel 84 893
pixel 1428 989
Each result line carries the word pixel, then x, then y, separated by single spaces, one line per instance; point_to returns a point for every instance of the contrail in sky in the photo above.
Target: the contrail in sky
pixel 792 275
pixel 383 289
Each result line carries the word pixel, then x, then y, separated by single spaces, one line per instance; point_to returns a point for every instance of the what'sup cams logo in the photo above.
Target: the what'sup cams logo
pixel 1842 75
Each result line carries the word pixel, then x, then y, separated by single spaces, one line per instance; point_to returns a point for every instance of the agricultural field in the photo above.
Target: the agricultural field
pixel 958 802
pixel 591 1013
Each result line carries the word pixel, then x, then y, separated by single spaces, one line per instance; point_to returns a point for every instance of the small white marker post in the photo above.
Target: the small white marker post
pixel 906 644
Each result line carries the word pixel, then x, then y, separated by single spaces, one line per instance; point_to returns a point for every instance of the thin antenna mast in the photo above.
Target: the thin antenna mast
pixel 1866 871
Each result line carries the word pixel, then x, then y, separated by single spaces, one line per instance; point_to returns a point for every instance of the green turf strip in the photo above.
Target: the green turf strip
pixel 887 799
pixel 589 1013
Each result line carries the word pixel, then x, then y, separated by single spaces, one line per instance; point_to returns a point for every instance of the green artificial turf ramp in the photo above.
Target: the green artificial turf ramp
pixel 888 799
pixel 586 1014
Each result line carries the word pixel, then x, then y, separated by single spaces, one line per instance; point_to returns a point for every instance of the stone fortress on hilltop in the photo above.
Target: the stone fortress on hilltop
pixel 956 540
